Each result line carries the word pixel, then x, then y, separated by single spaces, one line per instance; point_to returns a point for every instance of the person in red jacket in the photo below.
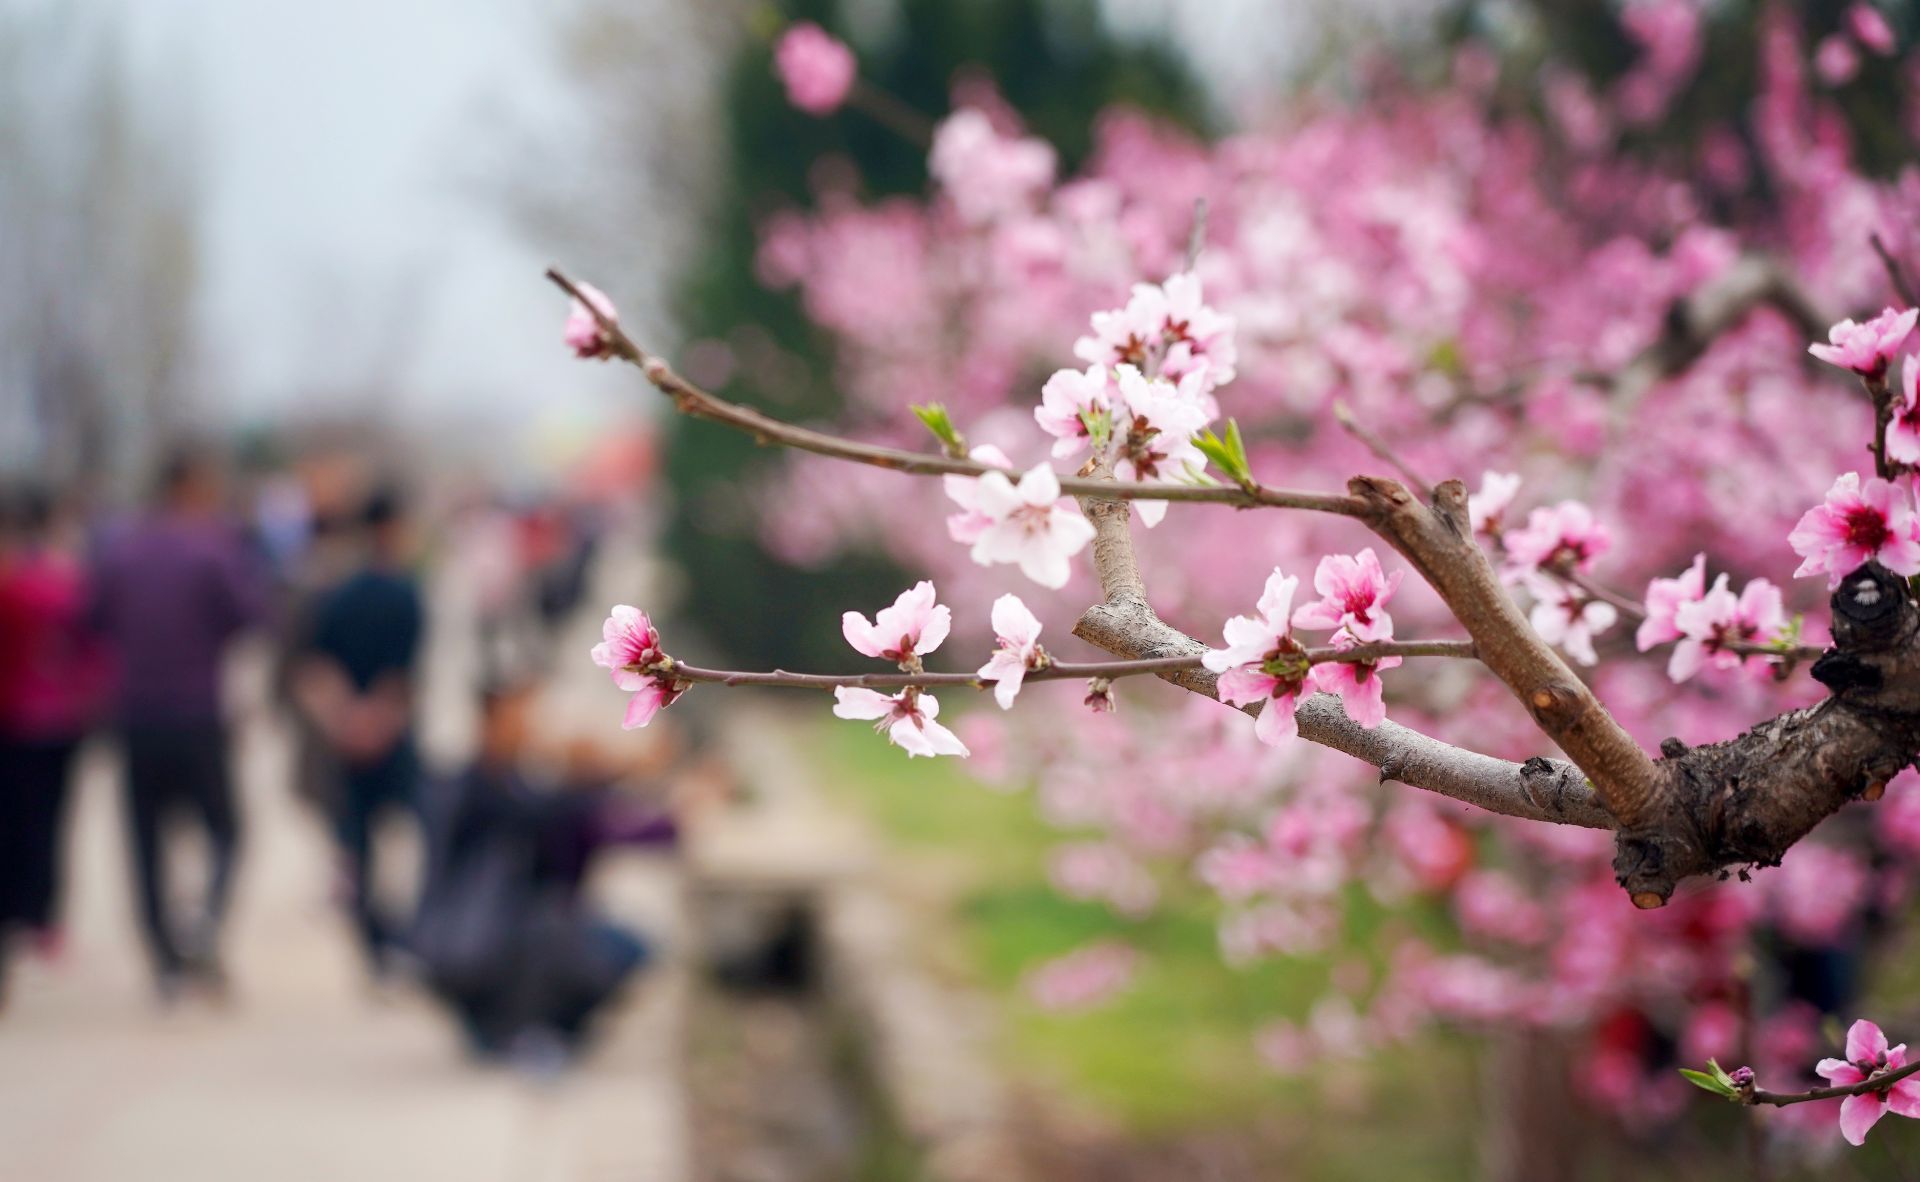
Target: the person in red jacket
pixel 53 677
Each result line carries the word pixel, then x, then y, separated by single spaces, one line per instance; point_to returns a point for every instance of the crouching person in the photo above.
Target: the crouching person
pixel 504 935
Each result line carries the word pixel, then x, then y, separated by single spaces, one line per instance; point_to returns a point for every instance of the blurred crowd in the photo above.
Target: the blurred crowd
pixel 122 626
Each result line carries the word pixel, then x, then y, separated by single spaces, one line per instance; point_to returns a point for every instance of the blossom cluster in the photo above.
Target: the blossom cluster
pixel 1710 626
pixel 1262 664
pixel 1148 389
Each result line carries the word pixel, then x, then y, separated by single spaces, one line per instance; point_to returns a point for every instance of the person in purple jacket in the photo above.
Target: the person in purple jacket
pixel 173 587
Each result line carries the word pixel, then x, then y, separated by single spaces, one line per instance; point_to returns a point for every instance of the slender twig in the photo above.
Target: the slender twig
pixel 1873 1083
pixel 1056 670
pixel 1197 237
pixel 1634 612
pixel 1896 274
pixel 1343 414
pixel 1626 605
pixel 891 113
pixel 691 400
pixel 1880 393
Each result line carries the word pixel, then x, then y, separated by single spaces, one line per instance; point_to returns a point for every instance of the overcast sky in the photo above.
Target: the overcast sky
pixel 348 224
pixel 342 146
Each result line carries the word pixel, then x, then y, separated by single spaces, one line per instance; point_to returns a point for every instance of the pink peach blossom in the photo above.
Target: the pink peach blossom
pixel 1353 596
pixel 1870 28
pixel 1029 524
pixel 985 174
pixel 1263 663
pixel 1155 435
pixel 1084 977
pixel 1664 598
pixel 1486 508
pixel 1868 1055
pixel 1836 60
pixel 1167 331
pixel 967 525
pixel 913 627
pixel 907 719
pixel 1867 349
pixel 1565 617
pixel 629 646
pixel 1712 622
pixel 1018 633
pixel 1903 430
pixel 1357 683
pixel 1858 521
pixel 583 333
pixel 1073 405
pixel 817 68
pixel 1566 533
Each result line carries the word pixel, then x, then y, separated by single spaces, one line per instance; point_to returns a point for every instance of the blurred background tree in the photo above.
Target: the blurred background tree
pixel 1057 64
pixel 1056 61
pixel 99 254
pixel 1597 38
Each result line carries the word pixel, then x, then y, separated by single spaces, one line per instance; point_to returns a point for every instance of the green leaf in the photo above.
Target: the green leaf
pixel 1789 638
pixel 934 415
pixel 1099 424
pixel 1229 453
pixel 1709 1083
pixel 1445 357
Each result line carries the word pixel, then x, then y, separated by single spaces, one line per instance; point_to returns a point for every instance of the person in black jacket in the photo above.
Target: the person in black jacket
pixel 504 935
pixel 354 681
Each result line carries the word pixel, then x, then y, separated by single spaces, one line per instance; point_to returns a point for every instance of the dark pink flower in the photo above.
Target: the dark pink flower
pixel 1859 520
pixel 1353 596
pixel 1867 1055
pixel 629 648
pixel 1356 682
pixel 1867 349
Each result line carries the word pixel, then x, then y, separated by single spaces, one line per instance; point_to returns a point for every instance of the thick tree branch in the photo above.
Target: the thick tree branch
pixel 1437 539
pixel 1126 625
pixel 1627 606
pixel 1747 800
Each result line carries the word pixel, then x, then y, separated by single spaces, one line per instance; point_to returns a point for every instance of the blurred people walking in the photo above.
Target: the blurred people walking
pixel 354 682
pixel 175 585
pixel 52 678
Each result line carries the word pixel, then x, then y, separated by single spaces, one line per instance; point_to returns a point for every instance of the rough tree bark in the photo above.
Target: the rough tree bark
pixel 1712 809
pixel 1745 801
